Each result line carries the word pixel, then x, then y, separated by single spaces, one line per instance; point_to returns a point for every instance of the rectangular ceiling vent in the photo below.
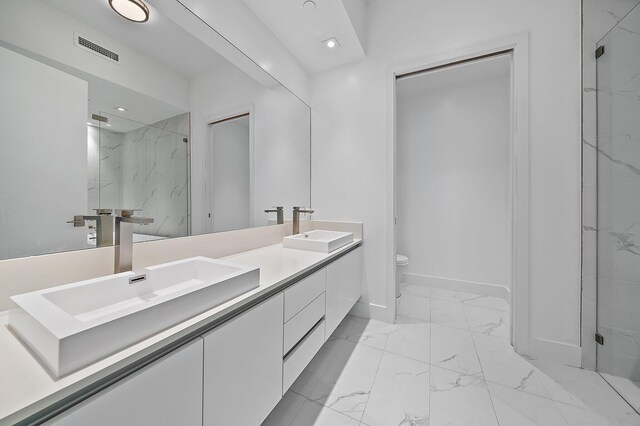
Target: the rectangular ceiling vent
pixel 92 47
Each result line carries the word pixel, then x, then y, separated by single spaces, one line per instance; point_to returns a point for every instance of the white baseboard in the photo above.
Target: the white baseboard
pixel 483 289
pixel 552 350
pixel 369 310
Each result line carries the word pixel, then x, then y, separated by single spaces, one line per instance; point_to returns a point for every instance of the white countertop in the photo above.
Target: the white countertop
pixel 27 388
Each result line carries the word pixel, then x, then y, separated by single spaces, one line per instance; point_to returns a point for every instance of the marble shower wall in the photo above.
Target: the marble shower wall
pixel 599 18
pixel 105 168
pixel 143 169
pixel 155 176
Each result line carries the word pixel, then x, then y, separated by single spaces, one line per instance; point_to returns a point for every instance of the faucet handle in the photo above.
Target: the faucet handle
pixel 127 212
pixel 77 221
pixel 101 212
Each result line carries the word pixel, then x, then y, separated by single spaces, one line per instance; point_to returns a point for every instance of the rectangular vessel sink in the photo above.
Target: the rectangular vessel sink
pixel 73 325
pixel 321 241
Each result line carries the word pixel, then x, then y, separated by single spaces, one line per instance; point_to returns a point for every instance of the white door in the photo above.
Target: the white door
pixel 230 174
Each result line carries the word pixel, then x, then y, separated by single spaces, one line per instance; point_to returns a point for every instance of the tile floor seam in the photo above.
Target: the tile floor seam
pixel 537 396
pixel 495 413
pixel 373 382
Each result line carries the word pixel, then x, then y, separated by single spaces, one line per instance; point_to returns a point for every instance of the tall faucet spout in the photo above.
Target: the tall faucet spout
pixel 296 218
pixel 123 256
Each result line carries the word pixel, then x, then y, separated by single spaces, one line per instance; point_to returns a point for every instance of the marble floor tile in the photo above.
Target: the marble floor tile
pixel 446 363
pixel 286 410
pixel 448 313
pixel 459 399
pixel 400 393
pixel 502 365
pixel 523 409
pixel 415 289
pixel 411 340
pixel 310 376
pixel 575 416
pixel 487 321
pixel 489 302
pixel 453 349
pixel 415 307
pixel 586 389
pixel 346 382
pixel 314 414
pixel 367 331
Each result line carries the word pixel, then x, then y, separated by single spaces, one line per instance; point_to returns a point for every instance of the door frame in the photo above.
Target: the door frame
pixel 216 118
pixel 518 44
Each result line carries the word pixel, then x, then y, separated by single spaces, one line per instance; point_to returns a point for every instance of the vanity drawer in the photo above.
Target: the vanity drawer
pixel 300 357
pixel 299 325
pixel 301 294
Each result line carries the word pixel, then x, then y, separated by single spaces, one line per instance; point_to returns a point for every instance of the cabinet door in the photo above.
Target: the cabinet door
pixel 343 288
pixel 243 366
pixel 167 392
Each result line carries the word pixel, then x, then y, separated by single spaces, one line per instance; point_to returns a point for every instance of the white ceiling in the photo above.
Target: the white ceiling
pixel 160 38
pixel 141 110
pixel 464 73
pixel 302 32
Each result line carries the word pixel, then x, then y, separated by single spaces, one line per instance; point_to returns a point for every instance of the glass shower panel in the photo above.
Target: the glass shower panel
pixel 618 94
pixel 145 167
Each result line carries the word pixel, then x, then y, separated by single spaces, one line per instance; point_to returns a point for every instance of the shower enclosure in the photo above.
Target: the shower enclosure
pixel 618 95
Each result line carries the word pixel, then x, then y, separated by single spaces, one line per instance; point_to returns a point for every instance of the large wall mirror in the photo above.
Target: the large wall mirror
pixel 165 117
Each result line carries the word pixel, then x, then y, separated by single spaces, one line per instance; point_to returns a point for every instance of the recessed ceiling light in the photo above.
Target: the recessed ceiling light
pixel 309 6
pixel 107 124
pixel 133 10
pixel 120 109
pixel 90 124
pixel 331 43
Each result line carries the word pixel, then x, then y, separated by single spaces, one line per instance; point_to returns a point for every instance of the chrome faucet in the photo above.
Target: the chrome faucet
pixel 280 214
pixel 124 220
pixel 296 218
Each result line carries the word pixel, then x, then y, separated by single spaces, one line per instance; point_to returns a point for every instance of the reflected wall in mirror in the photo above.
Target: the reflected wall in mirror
pixel 164 117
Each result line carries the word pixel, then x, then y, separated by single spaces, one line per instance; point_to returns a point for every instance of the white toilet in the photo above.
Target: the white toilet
pixel 401 262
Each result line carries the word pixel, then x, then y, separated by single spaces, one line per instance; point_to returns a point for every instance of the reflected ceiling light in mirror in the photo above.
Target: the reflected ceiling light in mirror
pixel 331 43
pixel 121 109
pixel 133 10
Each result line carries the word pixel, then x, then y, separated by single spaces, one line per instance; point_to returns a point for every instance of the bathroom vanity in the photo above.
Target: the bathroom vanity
pixel 228 365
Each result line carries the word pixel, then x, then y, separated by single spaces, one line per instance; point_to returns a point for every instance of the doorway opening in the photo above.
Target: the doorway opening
pixel 229 180
pixel 454 185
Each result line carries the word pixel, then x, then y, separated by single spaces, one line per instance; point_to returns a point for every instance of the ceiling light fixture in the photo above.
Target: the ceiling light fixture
pixel 121 109
pixel 309 6
pixel 331 43
pixel 133 10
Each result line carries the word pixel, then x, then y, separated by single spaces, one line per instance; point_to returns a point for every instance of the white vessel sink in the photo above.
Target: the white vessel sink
pixel 73 325
pixel 322 241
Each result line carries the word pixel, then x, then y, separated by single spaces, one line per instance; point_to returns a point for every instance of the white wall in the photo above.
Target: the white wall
pixel 43 157
pixel 350 141
pixel 281 140
pixel 24 23
pixel 453 180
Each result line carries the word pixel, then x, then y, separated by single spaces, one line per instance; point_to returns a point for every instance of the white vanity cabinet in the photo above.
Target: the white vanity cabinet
pixel 167 392
pixel 236 373
pixel 343 288
pixel 243 366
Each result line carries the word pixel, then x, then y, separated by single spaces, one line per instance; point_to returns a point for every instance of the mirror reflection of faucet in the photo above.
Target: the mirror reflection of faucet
pixel 115 227
pixel 280 213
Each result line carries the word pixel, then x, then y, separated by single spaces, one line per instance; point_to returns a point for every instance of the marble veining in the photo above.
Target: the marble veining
pixel 143 169
pixel 610 159
pixel 419 372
